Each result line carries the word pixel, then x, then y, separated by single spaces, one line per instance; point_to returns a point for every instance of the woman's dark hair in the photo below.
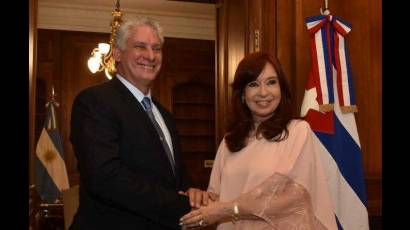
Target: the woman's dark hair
pixel 241 122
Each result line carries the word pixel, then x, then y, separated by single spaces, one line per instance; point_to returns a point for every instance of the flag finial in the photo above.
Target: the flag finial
pixel 326 10
pixel 53 95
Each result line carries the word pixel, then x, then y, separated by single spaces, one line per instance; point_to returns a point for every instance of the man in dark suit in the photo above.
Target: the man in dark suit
pixel 131 172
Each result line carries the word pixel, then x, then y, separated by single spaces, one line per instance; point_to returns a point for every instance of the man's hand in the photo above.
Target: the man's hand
pixel 197 197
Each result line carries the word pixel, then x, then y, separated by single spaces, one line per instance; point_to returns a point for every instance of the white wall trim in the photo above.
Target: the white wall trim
pixel 75 17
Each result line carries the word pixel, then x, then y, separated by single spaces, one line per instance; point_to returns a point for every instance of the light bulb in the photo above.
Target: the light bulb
pixel 93 64
pixel 104 48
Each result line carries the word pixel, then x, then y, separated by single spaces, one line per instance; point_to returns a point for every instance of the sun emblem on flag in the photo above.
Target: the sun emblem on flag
pixel 49 155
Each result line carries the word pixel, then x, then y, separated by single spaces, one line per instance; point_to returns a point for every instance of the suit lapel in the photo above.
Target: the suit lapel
pixel 135 106
pixel 140 113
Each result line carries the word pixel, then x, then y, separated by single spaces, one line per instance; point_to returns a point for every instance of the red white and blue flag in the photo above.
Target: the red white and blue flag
pixel 51 173
pixel 328 106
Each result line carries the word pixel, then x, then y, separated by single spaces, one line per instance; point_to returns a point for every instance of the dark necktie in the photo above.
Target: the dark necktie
pixel 146 102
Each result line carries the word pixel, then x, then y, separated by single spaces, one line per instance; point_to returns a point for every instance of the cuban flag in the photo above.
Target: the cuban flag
pixel 51 173
pixel 329 106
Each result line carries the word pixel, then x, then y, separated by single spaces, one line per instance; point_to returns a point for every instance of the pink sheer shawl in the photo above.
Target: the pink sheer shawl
pixel 282 183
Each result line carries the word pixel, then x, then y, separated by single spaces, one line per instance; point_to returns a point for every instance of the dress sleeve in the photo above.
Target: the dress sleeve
pixel 297 198
pixel 214 186
pixel 282 203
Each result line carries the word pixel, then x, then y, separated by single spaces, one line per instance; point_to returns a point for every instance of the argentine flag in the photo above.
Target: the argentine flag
pixel 51 173
pixel 336 137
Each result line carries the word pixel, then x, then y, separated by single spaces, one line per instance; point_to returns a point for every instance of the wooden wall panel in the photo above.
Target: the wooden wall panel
pixel 232 44
pixel 286 40
pixel 186 87
pixel 198 1
pixel 255 23
pixel 268 26
pixel 184 60
pixel 33 200
pixel 32 40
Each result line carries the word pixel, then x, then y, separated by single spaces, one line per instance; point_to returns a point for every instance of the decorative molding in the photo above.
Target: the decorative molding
pixel 75 17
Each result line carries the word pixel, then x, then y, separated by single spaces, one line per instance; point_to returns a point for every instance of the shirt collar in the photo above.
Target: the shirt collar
pixel 134 90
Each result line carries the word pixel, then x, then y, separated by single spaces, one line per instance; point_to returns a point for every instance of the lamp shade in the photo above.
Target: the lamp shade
pixel 104 48
pixel 93 64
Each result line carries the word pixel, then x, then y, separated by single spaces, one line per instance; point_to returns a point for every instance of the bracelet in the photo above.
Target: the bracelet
pixel 235 214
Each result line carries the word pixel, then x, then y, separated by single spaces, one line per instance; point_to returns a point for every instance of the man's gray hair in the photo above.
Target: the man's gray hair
pixel 123 31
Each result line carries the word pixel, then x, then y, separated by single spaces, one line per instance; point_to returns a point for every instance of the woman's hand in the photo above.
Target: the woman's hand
pixel 197 197
pixel 206 215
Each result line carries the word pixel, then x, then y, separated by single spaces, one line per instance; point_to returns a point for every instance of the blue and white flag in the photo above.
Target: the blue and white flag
pixel 328 107
pixel 51 173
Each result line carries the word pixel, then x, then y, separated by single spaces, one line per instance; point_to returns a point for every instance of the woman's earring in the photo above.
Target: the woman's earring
pixel 243 99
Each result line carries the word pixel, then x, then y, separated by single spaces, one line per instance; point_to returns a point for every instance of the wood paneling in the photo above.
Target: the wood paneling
pixel 232 44
pixel 32 83
pixel 195 120
pixel 285 41
pixel 186 87
pixel 269 22
pixel 184 60
pixel 255 24
pixel 197 1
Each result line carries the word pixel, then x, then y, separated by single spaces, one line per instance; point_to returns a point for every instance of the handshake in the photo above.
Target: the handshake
pixel 206 209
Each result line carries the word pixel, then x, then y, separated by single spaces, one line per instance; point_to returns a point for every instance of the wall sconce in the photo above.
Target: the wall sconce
pixel 101 57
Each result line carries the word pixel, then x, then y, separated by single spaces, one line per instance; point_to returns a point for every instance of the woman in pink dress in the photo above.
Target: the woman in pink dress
pixel 266 174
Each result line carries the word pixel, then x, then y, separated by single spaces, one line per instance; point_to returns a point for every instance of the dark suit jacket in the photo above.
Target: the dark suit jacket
pixel 126 180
